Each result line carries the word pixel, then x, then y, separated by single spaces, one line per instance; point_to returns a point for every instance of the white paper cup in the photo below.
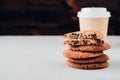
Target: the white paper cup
pixel 94 18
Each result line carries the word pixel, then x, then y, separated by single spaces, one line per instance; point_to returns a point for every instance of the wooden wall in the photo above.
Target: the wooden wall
pixel 50 17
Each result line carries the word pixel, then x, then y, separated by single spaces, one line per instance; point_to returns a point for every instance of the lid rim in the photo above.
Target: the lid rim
pixel 96 12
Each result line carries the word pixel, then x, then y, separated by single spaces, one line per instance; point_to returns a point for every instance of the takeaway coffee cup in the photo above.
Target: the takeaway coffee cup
pixel 94 18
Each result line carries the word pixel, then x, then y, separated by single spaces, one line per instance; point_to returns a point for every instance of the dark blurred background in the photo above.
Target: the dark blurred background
pixel 50 17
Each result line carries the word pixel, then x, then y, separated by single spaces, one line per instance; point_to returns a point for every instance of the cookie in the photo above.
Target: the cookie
pixel 99 65
pixel 83 42
pixel 101 58
pixel 84 34
pixel 91 48
pixel 78 54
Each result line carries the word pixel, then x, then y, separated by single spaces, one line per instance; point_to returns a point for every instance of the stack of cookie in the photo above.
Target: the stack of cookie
pixel 86 50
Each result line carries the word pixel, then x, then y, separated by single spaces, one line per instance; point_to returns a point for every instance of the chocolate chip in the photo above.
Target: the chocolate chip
pixel 77 35
pixel 76 42
pixel 85 42
pixel 73 34
pixel 94 35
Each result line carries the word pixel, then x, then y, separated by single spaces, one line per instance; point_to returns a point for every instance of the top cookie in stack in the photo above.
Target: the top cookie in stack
pixel 86 50
pixel 89 34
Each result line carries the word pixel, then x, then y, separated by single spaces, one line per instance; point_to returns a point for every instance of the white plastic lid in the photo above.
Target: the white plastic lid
pixel 94 12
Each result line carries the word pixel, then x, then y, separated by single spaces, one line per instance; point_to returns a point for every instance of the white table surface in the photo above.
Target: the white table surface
pixel 40 58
